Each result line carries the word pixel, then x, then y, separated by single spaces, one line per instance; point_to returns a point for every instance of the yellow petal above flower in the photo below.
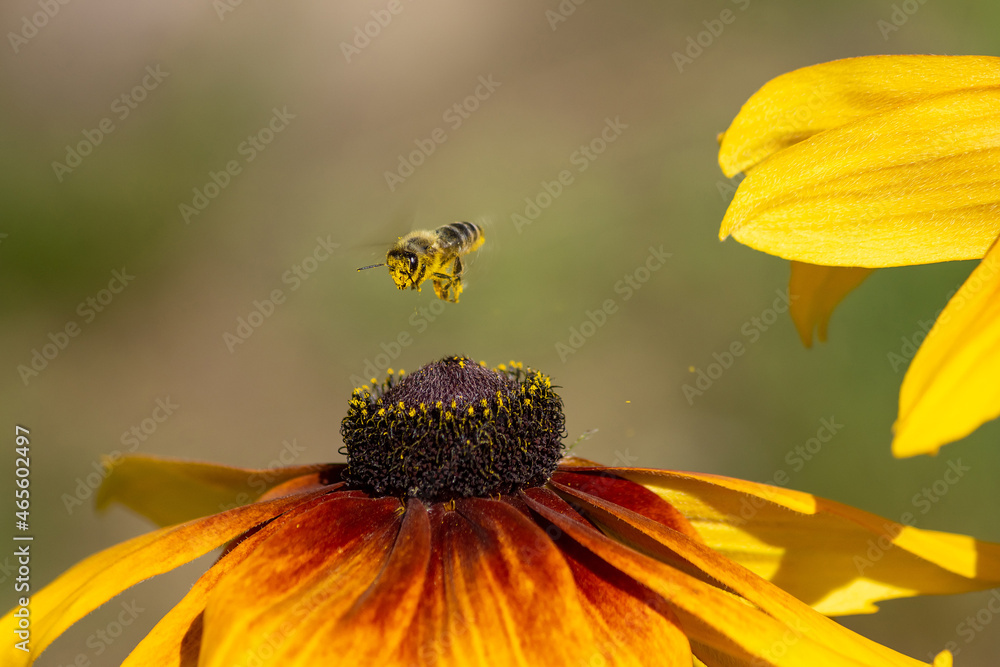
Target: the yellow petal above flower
pixel 875 162
pixel 810 100
pixel 915 179
pixel 953 383
pixel 814 291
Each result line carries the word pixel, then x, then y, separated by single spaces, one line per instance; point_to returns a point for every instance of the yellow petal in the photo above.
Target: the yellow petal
pixel 839 559
pixel 953 383
pixel 719 619
pixel 143 483
pixel 814 291
pixel 911 185
pixel 813 99
pixel 649 536
pixel 97 579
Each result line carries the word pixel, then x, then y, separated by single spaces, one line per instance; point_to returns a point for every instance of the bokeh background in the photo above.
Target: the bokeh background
pixel 349 110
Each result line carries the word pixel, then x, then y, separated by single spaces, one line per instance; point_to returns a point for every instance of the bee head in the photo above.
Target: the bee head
pixel 403 267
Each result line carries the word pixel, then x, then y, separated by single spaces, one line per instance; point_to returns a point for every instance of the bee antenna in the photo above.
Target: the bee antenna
pixel 372 266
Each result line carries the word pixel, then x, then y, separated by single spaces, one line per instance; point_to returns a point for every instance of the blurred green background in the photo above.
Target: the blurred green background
pixel 346 117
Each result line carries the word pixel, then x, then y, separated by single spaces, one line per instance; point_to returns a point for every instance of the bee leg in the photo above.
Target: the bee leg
pixel 447 287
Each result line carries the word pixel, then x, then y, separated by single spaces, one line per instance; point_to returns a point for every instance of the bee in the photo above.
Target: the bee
pixel 436 254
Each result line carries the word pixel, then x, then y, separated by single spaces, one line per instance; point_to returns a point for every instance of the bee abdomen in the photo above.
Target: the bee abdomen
pixel 465 235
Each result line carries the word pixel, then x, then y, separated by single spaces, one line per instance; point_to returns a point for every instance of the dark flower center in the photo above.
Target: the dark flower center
pixel 454 429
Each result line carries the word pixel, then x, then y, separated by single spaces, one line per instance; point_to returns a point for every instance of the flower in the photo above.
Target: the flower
pixel 454 535
pixel 874 162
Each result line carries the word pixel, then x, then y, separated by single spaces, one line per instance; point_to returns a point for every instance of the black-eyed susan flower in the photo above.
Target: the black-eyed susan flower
pixel 884 161
pixel 455 535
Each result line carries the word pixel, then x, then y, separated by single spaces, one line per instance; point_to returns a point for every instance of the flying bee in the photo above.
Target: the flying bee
pixel 436 254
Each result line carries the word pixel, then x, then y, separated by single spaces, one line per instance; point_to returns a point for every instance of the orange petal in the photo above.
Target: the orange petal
pixel 195 489
pixel 498 593
pixel 653 538
pixel 175 641
pixel 814 291
pixel 800 104
pixel 839 559
pixel 953 384
pixel 384 611
pixel 707 614
pixel 310 568
pixel 97 579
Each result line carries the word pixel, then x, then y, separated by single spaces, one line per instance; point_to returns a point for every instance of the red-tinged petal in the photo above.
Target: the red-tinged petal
pixel 97 579
pixel 953 384
pixel 502 594
pixel 634 623
pixel 839 559
pixel 371 630
pixel 814 291
pixel 667 545
pixel 169 491
pixel 707 614
pixel 328 479
pixel 628 494
pixel 314 565
pixel 800 104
